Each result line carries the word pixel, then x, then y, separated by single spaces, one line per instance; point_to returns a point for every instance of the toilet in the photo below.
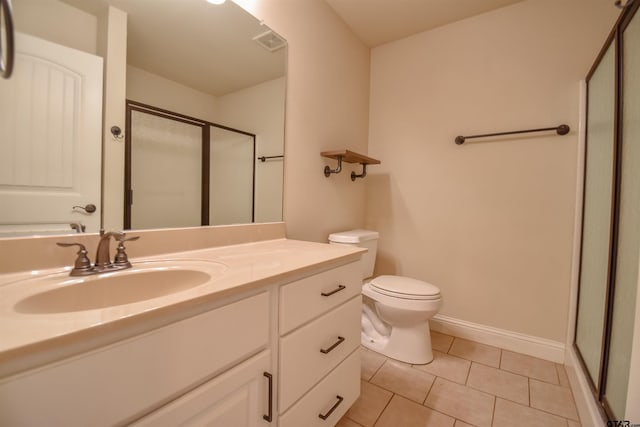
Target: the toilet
pixel 395 309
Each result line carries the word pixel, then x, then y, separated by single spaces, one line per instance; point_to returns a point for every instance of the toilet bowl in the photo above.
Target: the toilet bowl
pixel 396 309
pixel 405 305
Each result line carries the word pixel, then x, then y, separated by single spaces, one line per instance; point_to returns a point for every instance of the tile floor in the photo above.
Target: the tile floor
pixel 467 384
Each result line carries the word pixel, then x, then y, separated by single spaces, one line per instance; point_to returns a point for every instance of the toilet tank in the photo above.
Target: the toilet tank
pixel 363 239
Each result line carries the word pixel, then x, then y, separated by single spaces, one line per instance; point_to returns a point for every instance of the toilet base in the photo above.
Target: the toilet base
pixel 409 345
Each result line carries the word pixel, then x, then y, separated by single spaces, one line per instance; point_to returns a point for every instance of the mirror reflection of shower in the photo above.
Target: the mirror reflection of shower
pixel 185 172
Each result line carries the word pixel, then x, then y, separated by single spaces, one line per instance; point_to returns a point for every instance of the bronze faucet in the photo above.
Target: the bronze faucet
pixel 103 260
pixel 103 264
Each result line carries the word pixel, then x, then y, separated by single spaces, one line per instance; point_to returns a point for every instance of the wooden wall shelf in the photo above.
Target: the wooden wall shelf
pixel 349 157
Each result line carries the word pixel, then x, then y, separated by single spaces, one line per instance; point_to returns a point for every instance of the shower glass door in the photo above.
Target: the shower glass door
pixel 597 215
pixel 610 255
pixel 627 252
pixel 166 172
pixel 231 178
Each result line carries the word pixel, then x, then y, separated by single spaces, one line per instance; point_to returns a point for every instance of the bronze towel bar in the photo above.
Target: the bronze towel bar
pixel 561 130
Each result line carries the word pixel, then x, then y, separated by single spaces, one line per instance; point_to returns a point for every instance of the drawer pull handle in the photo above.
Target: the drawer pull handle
pixel 269 416
pixel 338 289
pixel 333 408
pixel 334 345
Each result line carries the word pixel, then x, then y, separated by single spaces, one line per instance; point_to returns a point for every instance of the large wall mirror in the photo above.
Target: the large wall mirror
pixel 194 92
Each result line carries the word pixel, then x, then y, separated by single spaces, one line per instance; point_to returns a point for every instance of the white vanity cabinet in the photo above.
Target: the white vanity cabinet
pixel 318 368
pixel 283 354
pixel 119 383
pixel 319 363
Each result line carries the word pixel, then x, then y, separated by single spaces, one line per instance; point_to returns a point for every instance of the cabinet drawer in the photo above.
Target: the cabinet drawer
pixel 344 381
pixel 309 353
pixel 308 298
pixel 123 381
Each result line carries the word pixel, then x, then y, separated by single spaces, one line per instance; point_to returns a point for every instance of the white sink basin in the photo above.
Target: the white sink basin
pixel 144 281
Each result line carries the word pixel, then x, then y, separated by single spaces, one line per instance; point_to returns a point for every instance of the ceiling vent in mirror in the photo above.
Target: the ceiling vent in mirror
pixel 270 41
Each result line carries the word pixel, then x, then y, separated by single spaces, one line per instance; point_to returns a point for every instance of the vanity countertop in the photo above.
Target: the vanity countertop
pixel 25 337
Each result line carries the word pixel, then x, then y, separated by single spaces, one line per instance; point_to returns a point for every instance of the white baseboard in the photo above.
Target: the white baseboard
pixel 587 407
pixel 542 348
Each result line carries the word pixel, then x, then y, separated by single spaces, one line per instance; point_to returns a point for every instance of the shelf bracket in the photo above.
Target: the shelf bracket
pixel 349 157
pixel 354 176
pixel 328 171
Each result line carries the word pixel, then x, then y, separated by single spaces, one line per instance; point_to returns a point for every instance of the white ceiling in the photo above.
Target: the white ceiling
pixel 376 22
pixel 208 55
pixel 205 47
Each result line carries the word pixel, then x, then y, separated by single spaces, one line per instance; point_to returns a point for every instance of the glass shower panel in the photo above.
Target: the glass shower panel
pixel 596 227
pixel 166 172
pixel 628 245
pixel 231 177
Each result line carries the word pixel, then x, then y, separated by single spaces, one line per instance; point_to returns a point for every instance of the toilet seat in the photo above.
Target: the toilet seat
pixel 405 288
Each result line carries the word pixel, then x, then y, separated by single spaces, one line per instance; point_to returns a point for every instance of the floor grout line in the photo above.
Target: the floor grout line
pixel 450 345
pixel 377 370
pixel 465 384
pixel 429 390
pixel 495 399
pixel 533 378
pixel 384 409
pixel 540 410
pixel 493 413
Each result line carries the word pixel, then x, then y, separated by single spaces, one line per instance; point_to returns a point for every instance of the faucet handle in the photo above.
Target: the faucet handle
pixel 82 262
pixel 115 234
pixel 124 238
pixel 121 257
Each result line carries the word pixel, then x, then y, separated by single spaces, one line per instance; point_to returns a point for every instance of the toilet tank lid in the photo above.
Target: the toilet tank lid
pixel 353 236
pixel 405 286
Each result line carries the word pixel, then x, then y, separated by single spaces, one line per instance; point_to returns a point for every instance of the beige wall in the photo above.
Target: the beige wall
pixel 58 22
pixel 260 109
pixel 327 109
pixel 490 223
pixel 152 89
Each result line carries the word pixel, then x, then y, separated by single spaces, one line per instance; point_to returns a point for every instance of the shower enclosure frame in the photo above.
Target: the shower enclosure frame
pixel 615 41
pixel 205 157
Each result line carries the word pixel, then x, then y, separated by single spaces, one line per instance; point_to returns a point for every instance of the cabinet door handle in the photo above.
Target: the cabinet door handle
pixel 333 408
pixel 269 416
pixel 338 289
pixel 334 345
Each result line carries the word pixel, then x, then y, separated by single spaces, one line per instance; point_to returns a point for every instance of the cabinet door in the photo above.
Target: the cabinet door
pixel 237 398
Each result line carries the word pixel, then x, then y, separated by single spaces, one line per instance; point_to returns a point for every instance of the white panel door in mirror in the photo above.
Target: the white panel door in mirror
pixel 50 143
